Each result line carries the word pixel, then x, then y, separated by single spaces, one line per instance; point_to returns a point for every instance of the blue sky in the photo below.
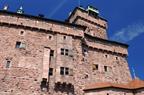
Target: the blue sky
pixel 125 20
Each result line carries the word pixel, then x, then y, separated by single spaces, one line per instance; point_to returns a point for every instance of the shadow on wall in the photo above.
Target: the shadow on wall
pixel 64 87
pixel 44 85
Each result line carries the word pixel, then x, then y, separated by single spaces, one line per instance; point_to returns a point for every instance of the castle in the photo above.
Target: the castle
pixel 40 56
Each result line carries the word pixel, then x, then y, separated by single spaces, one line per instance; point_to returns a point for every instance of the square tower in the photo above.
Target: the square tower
pixel 96 25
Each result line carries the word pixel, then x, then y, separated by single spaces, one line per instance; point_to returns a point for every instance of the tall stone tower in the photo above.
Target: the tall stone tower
pixel 96 25
pixel 40 56
pixel 98 47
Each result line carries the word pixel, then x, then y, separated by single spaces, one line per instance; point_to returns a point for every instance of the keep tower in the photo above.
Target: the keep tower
pixel 96 25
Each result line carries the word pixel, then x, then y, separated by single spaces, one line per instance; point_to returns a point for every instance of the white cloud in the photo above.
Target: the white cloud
pixel 128 33
pixel 57 8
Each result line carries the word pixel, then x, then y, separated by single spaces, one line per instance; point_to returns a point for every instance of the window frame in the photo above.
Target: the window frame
pixel 64 71
pixel 65 52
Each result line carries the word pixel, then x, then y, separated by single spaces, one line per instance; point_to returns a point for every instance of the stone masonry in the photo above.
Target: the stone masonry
pixel 39 56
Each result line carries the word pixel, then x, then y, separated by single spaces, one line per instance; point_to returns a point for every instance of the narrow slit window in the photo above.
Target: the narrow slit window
pixel 21 32
pixel 64 37
pixel 106 56
pixel 52 53
pixel 105 68
pixel 8 62
pixel 116 58
pixel 50 37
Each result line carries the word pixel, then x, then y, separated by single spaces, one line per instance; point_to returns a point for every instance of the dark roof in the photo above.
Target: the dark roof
pixel 43 19
pixel 78 8
pixel 105 40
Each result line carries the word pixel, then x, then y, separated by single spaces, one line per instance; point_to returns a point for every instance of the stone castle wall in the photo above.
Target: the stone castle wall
pixel 30 65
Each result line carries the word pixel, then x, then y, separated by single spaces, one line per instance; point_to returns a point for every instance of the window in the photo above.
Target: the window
pixel 51 52
pixel 106 56
pixel 85 51
pixel 116 58
pixel 20 45
pixel 95 66
pixel 50 71
pixel 64 71
pixel 50 37
pixel 64 37
pixel 64 51
pixel 105 68
pixel 8 62
pixel 21 32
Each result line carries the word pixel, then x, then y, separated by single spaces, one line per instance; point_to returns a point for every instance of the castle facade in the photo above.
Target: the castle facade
pixel 40 56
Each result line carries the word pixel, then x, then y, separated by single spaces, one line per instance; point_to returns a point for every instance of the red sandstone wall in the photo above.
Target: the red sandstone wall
pixel 25 73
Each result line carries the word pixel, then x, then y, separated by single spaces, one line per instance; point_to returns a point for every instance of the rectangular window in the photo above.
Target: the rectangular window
pixel 64 71
pixel 20 45
pixel 52 53
pixel 105 68
pixel 64 51
pixel 50 71
pixel 95 67
pixel 7 64
pixel 64 37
